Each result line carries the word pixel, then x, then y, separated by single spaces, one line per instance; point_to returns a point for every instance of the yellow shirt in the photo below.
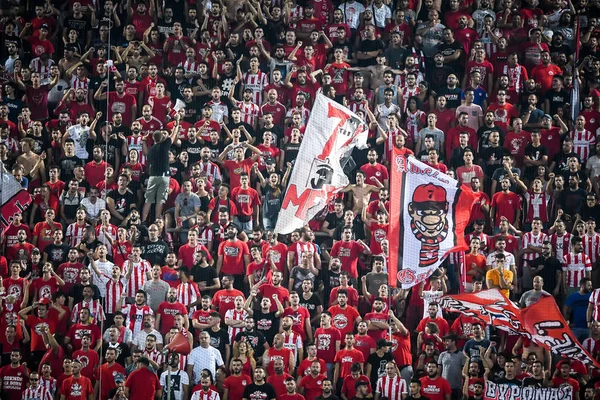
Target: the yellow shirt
pixel 494 276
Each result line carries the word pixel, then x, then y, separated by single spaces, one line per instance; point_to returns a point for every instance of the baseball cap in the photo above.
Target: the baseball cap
pixel 119 378
pixel 45 26
pixel 429 192
pixel 547 116
pixel 35 250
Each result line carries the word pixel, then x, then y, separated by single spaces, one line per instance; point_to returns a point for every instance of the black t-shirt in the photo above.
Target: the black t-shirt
pixel 560 159
pixel 492 159
pixel 511 382
pixel 551 266
pixel 369 46
pixel 57 254
pixel 256 340
pixel 176 89
pixel 111 149
pixel 81 25
pixel 67 167
pixel 219 339
pixel 439 75
pixel 571 201
pixel 177 169
pixel 204 274
pixel 452 95
pixel 267 323
pixel 155 252
pixel 123 202
pixel 41 143
pixel 536 154
pixel 259 392
pixel 484 132
pixel 557 98
pixel 533 382
pixel 378 366
pixel 158 157
pixel 448 50
pixel 77 293
pixel 193 150
pixel 122 349
pixel 311 304
pixel 333 220
pixel 332 397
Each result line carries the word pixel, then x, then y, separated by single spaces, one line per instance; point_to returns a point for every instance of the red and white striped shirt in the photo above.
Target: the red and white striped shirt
pixel 75 233
pixel 407 93
pixel 391 388
pixel 135 316
pixel 40 393
pixel 530 239
pixel 595 302
pixel 83 84
pixel 592 346
pixel 202 395
pixel 301 247
pixel 537 206
pixel 139 275
pixel 188 293
pixel 190 68
pixel 154 355
pixel 576 266
pixel 484 241
pixel 250 112
pixel 114 290
pixel 255 82
pixel 95 307
pixel 304 113
pixel 359 106
pixel 212 171
pixel 591 246
pixel 36 65
pixel 111 231
pixel 292 342
pixel 135 143
pixel 560 244
pixel 49 384
pixel 236 316
pixel 517 76
pixel 582 143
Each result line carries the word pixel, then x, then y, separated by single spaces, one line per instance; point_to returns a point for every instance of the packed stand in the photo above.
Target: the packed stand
pixel 157 139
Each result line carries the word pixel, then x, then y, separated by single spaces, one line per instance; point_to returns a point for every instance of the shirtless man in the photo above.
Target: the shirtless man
pixel 361 192
pixel 33 165
pixel 376 71
pixel 69 63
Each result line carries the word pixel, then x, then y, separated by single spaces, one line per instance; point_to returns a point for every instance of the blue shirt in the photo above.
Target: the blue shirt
pixel 578 303
pixel 480 95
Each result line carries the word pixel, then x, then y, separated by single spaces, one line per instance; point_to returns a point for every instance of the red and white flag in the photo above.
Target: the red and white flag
pixel 429 212
pixel 331 134
pixel 542 322
pixel 14 199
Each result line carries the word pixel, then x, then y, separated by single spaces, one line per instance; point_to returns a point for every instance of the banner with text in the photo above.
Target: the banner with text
pixel 495 391
pixel 332 132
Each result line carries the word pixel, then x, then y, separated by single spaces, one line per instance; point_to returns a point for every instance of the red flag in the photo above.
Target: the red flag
pixel 429 212
pixel 541 322
pixel 14 199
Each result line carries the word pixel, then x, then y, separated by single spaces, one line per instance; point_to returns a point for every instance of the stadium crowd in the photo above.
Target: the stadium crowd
pixel 156 139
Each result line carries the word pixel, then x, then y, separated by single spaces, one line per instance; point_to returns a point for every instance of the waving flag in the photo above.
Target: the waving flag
pixel 14 199
pixel 429 212
pixel 542 322
pixel 332 132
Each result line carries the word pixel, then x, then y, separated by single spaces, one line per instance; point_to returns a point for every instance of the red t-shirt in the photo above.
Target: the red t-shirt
pixel 400 349
pixel 144 382
pixel 233 253
pixel 543 74
pixel 268 290
pixel 343 319
pixel 223 300
pixel 186 254
pixel 89 362
pixel 313 387
pixel 352 295
pixel 44 289
pixel 35 324
pixel 236 385
pixel 245 200
pixel 235 169
pixel 107 377
pixel 349 385
pixel 348 253
pixel 377 317
pixel 167 313
pixel 299 316
pixel 77 330
pixel 346 358
pixel 441 323
pixel 365 344
pixel 77 388
pixel 505 204
pixel 94 173
pixel 326 340
pixel 13 382
pixel 435 389
pixel 44 234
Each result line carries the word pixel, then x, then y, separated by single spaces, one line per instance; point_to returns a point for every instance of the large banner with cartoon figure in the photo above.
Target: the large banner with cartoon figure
pixel 429 212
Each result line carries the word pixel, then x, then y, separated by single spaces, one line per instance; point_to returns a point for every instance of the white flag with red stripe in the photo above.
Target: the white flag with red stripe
pixel 332 132
pixel 14 199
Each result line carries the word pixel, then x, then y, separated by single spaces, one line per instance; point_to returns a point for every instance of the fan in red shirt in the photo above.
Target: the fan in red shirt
pixel 354 382
pixel 76 387
pixel 311 385
pixel 165 315
pixel 327 339
pixel 344 316
pixel 109 372
pixel 43 231
pixel 433 386
pixel 13 377
pixel 246 200
pixel 235 383
pixel 505 204
pixel 346 358
pixel 239 164
pixel 564 377
pixel 441 323
pixel 348 251
pixel 234 255
pixel 545 72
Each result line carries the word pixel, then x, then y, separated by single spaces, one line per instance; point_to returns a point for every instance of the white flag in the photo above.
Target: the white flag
pixel 332 132
pixel 14 199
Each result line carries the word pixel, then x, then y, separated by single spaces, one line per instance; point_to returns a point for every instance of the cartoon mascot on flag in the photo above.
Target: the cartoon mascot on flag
pixel 429 223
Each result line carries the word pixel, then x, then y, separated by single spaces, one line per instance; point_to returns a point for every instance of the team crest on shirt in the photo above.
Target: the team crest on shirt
pixel 340 321
pixel 244 383
pixel 550 73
